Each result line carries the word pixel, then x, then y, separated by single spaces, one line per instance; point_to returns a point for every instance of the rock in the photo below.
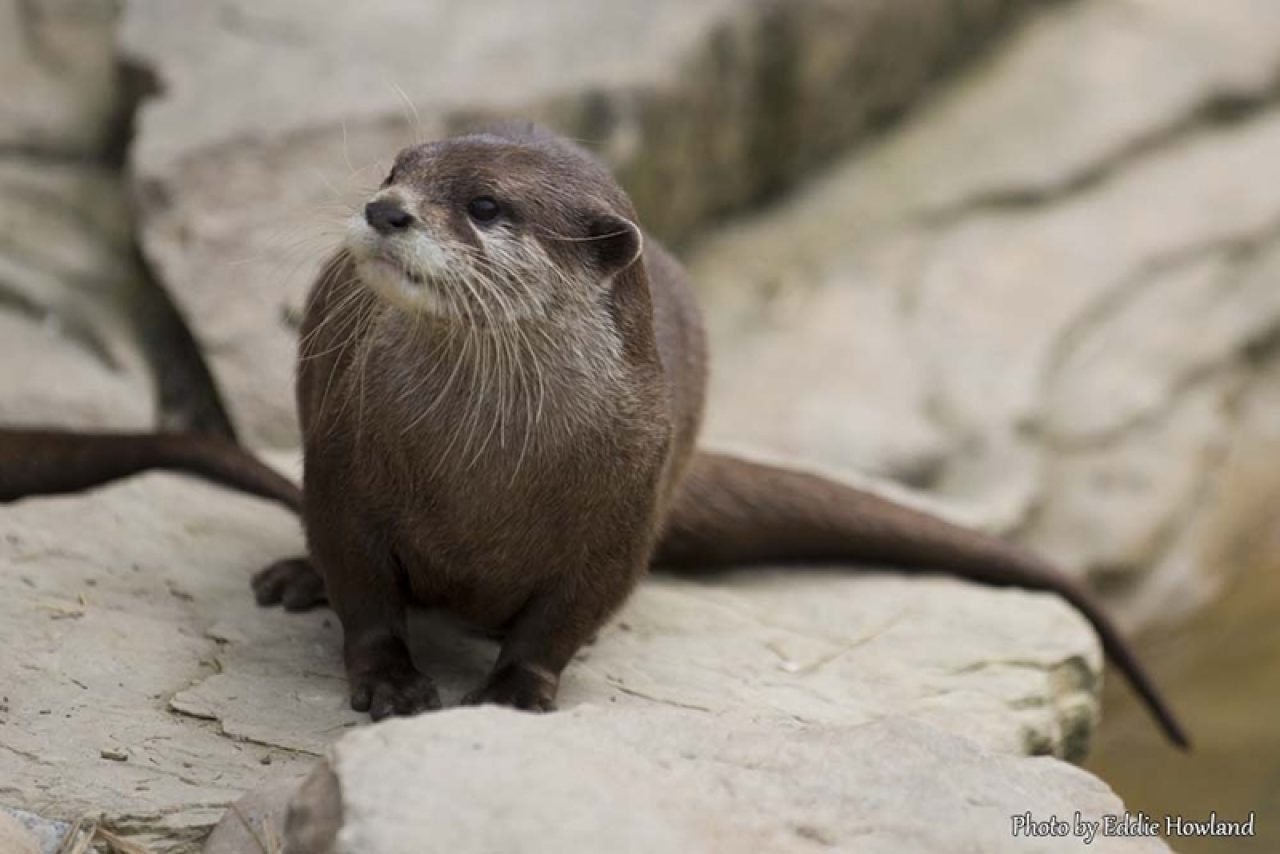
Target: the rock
pixel 680 780
pixel 869 418
pixel 58 65
pixel 703 107
pixel 1048 326
pixel 15 839
pixel 108 602
pixel 70 296
pixel 1113 506
pixel 1193 445
pixel 70 300
pixel 45 836
pixel 255 823
pixel 1230 524
pixel 131 628
pixel 1086 357
pixel 996 342
pixel 1082 92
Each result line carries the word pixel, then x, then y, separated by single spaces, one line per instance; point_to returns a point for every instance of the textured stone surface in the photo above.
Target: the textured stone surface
pixel 69 300
pixel 110 605
pixel 1083 91
pixel 46 836
pixel 676 780
pixel 57 62
pixel 152 689
pixel 255 822
pixel 16 839
pixel 702 107
pixel 69 292
pixel 1231 523
pixel 1042 299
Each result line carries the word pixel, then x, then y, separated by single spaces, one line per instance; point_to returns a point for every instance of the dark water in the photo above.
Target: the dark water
pixel 1223 672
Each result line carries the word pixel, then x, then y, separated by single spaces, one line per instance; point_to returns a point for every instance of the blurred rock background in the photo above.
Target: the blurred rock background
pixel 1018 258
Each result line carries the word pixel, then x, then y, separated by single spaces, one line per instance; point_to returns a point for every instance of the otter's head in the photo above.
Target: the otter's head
pixel 495 228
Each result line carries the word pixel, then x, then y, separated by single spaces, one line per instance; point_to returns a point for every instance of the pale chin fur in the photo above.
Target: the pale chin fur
pixel 387 278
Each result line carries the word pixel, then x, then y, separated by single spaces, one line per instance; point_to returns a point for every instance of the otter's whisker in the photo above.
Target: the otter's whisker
pixel 337 314
pixel 346 343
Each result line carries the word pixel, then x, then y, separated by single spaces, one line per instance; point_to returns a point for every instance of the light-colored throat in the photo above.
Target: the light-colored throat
pixel 500 394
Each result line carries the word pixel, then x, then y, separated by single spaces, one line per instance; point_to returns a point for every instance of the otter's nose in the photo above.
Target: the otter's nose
pixel 386 217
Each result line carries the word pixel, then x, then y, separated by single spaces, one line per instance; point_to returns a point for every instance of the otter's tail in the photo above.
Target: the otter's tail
pixel 732 512
pixel 47 462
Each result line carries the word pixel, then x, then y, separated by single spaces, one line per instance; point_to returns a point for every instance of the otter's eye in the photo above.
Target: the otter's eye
pixel 483 209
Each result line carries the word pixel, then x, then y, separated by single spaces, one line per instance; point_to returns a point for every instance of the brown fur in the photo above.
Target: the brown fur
pixel 520 455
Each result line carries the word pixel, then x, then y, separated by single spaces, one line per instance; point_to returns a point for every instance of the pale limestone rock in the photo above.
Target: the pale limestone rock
pixel 49 836
pixel 16 839
pixel 152 689
pixel 869 416
pixel 1000 292
pixel 1231 525
pixel 58 67
pixel 1082 91
pixel 995 305
pixel 701 106
pixel 255 823
pixel 676 780
pixel 70 299
pixel 108 602
pixel 1113 506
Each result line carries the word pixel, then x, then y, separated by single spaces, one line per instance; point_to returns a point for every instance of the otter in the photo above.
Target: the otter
pixel 500 383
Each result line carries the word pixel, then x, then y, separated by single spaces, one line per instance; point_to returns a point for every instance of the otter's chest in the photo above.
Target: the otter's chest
pixel 481 541
pixel 490 478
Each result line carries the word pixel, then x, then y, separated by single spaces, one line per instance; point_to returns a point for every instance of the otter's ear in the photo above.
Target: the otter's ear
pixel 615 242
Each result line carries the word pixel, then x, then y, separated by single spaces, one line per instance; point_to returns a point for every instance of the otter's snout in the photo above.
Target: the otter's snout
pixel 387 217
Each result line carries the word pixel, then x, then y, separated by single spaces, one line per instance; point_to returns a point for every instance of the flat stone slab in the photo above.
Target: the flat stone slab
pixel 142 683
pixel 643 780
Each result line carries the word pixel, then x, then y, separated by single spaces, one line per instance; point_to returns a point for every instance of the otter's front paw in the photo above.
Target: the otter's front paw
pixel 394 691
pixel 520 686
pixel 293 583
